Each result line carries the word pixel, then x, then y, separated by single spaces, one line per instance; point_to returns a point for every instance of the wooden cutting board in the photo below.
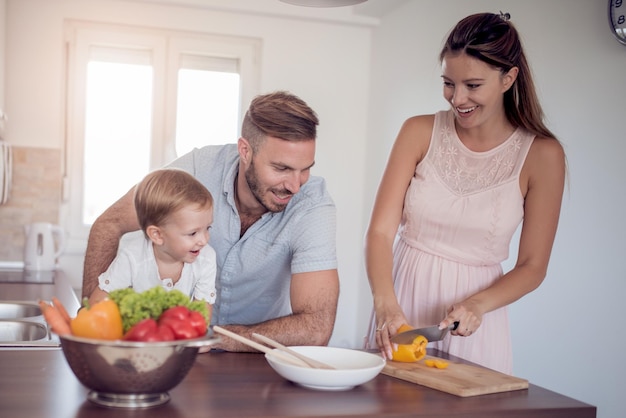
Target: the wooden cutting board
pixel 458 378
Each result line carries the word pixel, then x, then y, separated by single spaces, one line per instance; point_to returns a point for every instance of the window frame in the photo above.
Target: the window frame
pixel 166 46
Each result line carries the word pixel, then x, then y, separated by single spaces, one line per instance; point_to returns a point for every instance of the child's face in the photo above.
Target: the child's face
pixel 185 232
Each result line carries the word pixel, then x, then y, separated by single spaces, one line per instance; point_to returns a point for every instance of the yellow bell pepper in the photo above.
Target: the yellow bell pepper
pixel 101 321
pixel 410 353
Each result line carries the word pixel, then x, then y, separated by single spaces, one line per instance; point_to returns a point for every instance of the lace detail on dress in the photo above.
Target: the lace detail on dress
pixel 465 171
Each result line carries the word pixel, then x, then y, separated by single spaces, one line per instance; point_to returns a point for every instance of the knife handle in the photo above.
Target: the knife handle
pixel 454 326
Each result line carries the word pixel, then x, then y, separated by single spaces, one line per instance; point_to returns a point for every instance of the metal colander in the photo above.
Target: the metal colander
pixel 131 374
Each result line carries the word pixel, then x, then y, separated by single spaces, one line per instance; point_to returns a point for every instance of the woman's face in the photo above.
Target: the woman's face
pixel 474 89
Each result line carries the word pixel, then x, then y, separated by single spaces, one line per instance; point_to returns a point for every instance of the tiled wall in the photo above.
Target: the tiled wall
pixel 35 197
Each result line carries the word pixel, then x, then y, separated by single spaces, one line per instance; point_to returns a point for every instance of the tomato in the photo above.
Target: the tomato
pixel 177 312
pixel 183 322
pixel 141 330
pixel 197 322
pixel 177 323
pixel 160 333
pixel 181 328
pixel 148 330
pixel 410 353
pixel 165 333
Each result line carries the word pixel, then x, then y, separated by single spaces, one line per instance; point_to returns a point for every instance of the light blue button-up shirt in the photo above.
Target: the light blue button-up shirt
pixel 254 271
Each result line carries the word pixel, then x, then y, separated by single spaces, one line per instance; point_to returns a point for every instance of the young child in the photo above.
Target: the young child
pixel 175 212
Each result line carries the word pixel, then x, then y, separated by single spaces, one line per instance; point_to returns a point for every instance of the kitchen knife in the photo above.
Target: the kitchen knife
pixel 430 333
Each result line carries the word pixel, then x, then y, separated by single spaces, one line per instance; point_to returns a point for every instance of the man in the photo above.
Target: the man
pixel 273 230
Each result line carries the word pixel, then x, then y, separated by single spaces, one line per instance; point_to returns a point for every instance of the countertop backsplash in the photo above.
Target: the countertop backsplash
pixel 35 197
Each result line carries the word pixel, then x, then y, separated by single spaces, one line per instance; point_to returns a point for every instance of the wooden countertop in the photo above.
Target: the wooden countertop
pixel 39 383
pixel 36 382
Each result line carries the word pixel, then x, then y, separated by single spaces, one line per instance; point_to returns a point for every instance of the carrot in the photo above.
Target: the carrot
pixel 57 304
pixel 55 319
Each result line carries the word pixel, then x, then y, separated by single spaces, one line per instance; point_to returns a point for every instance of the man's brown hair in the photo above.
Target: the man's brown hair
pixel 280 115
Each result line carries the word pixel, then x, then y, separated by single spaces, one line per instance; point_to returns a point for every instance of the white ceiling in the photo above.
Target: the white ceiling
pixel 370 8
pixel 377 8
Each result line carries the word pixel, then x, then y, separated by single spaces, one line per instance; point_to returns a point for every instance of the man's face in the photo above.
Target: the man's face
pixel 278 169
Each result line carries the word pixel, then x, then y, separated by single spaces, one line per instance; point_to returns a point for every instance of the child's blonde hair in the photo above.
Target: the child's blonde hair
pixel 164 191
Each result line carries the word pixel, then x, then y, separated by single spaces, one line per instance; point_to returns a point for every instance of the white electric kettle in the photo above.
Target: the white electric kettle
pixel 40 251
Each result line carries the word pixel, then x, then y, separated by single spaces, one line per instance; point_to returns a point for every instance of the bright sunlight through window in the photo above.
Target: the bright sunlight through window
pixel 138 98
pixel 118 124
pixel 117 132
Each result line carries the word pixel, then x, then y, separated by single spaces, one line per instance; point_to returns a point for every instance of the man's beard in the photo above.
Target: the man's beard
pixel 253 184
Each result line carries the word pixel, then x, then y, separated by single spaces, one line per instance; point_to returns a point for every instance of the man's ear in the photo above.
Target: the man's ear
pixel 154 233
pixel 245 150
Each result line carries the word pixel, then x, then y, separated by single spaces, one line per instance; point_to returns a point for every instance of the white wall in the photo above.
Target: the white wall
pixel 567 335
pixel 364 80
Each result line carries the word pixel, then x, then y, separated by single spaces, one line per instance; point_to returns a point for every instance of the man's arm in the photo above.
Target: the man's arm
pixel 314 297
pixel 104 238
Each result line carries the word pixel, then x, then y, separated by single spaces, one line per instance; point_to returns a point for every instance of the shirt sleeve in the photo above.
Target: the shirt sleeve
pixel 315 247
pixel 118 275
pixel 185 162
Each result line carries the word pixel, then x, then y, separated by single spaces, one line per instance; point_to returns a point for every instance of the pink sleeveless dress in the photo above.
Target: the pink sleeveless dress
pixel 460 213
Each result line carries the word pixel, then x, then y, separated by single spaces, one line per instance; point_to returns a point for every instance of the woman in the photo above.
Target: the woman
pixel 456 187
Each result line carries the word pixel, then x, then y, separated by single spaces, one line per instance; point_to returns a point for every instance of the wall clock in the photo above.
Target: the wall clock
pixel 617 19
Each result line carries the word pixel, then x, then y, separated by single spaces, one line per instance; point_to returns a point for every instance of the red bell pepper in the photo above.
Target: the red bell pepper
pixel 162 333
pixel 184 322
pixel 148 330
pixel 177 323
pixel 177 312
pixel 141 330
pixel 198 322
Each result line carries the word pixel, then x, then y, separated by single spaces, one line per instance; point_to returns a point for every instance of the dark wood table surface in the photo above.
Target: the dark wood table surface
pixel 39 383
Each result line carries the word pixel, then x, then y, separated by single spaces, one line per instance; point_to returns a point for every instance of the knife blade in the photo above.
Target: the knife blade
pixel 432 333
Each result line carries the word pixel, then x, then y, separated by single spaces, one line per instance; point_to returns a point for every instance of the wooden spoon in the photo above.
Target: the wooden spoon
pixel 310 361
pixel 277 354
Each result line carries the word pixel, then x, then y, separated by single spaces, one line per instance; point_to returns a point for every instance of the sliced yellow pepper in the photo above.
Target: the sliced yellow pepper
pixel 436 363
pixel 410 353
pixel 441 364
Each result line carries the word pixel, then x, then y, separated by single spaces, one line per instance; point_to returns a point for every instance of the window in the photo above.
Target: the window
pixel 138 98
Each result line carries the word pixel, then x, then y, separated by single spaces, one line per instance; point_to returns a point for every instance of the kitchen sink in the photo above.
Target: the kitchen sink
pixel 22 325
pixel 12 331
pixel 15 310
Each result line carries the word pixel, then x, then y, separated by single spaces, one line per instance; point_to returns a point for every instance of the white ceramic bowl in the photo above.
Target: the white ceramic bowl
pixel 353 368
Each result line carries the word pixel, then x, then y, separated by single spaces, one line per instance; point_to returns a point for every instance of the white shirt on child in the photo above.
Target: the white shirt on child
pixel 135 266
